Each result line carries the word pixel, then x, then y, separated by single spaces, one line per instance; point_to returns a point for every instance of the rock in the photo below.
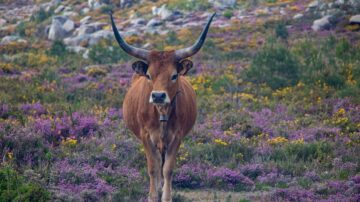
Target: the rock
pixel 69 25
pixel 9 39
pixel 2 22
pixel 154 23
pixel 322 23
pixel 138 21
pixel 61 26
pixel 85 30
pixel 85 20
pixel 355 19
pixel 85 10
pixel 77 41
pixel 298 16
pixel 223 3
pixel 70 14
pixel 166 14
pixel 94 4
pixel 126 3
pixel 76 49
pixel 99 35
pixel 314 4
pixel 59 9
pixel 90 28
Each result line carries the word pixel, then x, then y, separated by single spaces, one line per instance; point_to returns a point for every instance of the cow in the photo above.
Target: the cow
pixel 160 106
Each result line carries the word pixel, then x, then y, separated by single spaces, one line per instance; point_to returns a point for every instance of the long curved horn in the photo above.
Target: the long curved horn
pixel 189 51
pixel 136 52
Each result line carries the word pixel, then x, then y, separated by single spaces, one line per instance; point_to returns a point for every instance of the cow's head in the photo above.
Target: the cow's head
pixel 162 68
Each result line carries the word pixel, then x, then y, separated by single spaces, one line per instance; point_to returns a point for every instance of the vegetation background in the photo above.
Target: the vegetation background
pixel 277 82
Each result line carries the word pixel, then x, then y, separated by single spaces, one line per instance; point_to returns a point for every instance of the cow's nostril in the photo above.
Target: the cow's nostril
pixel 163 96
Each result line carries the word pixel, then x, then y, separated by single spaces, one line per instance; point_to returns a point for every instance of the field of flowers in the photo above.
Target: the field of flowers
pixel 278 116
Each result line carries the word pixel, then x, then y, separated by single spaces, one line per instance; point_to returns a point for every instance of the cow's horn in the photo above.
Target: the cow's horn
pixel 136 52
pixel 189 51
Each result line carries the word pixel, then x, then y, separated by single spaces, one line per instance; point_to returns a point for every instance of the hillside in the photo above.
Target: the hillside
pixel 277 84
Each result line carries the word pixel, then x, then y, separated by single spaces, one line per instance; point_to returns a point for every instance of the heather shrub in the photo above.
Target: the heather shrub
pixel 275 66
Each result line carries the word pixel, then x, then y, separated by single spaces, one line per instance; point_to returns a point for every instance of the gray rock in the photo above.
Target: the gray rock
pixel 76 49
pixel 322 23
pixel 59 9
pixel 126 3
pixel 9 39
pixel 2 22
pixel 314 4
pixel 77 41
pixel 85 30
pixel 70 13
pixel 154 23
pixel 85 10
pixel 85 20
pixel 99 35
pixel 138 21
pixel 61 27
pixel 355 19
pixel 298 16
pixel 223 3
pixel 94 4
pixel 69 25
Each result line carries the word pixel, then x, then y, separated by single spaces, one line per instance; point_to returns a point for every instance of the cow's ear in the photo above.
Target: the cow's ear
pixel 184 66
pixel 140 67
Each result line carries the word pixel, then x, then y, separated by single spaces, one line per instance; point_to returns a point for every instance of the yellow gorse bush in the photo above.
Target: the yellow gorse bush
pixel 277 140
pixel 220 142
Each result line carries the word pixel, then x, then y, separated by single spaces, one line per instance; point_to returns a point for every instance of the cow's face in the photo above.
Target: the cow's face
pixel 162 72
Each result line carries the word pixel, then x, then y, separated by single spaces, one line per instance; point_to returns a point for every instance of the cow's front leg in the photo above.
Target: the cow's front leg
pixel 153 158
pixel 170 160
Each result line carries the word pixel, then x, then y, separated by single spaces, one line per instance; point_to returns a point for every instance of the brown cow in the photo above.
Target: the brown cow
pixel 160 107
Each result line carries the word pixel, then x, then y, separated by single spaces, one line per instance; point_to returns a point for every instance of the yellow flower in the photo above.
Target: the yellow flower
pixel 69 142
pixel 298 141
pixel 221 142
pixel 277 140
pixel 113 147
pixel 10 155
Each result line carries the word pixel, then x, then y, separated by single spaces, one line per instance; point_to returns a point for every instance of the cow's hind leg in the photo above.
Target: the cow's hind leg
pixel 153 158
pixel 169 164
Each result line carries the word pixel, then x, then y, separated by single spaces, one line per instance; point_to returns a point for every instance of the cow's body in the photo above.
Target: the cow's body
pixel 160 107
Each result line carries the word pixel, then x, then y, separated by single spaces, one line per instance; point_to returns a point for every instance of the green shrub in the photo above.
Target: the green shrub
pixel 228 14
pixel 105 52
pixel 281 31
pixel 14 188
pixel 58 48
pixel 41 15
pixel 189 5
pixel 275 66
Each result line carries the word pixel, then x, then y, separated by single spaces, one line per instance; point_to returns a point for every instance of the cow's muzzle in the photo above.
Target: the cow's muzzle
pixel 159 97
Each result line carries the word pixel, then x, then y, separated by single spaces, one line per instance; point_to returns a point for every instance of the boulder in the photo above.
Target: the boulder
pixel 85 20
pixel 154 23
pixel 355 19
pixel 76 49
pixel 322 23
pixel 69 25
pixel 9 39
pixel 223 3
pixel 126 3
pixel 138 21
pixel 2 22
pixel 59 9
pixel 61 27
pixel 94 4
pixel 99 35
pixel 298 16
pixel 77 41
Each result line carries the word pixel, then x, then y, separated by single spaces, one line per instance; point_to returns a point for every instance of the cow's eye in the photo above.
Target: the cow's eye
pixel 148 76
pixel 174 77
